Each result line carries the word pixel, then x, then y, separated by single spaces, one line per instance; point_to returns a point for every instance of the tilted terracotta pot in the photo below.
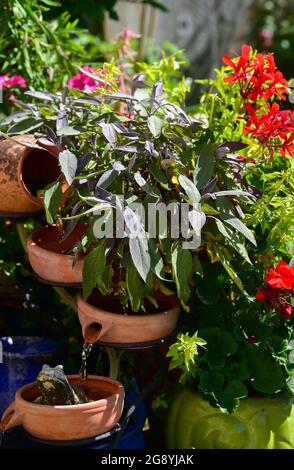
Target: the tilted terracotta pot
pixel 68 422
pixel 47 258
pixel 100 324
pixel 23 171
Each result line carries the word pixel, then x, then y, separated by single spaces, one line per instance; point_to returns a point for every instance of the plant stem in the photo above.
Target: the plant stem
pixel 65 297
pixel 113 362
pixel 22 235
pixel 99 172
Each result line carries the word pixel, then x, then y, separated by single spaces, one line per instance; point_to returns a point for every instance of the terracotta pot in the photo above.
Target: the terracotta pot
pixel 23 171
pixel 100 323
pixel 47 258
pixel 69 422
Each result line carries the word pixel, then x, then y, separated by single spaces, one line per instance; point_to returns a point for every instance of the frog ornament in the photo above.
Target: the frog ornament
pixel 258 423
pixel 55 388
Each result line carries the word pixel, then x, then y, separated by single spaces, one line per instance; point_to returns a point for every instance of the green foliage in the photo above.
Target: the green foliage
pixel 52 201
pixel 184 354
pixel 248 350
pixel 44 53
pixel 182 267
pixel 272 215
pixel 155 157
pixel 221 344
pixel 96 273
pixel 169 70
pixel 92 12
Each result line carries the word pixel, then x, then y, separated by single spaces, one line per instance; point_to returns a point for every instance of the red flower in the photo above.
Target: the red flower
pixel 256 75
pixel 286 310
pixel 243 69
pixel 241 66
pixel 281 277
pixel 274 129
pixel 277 295
pixel 266 81
pixel 260 294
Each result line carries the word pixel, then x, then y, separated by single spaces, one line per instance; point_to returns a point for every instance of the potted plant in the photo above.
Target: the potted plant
pixel 239 383
pixel 239 364
pixel 47 253
pixel 131 158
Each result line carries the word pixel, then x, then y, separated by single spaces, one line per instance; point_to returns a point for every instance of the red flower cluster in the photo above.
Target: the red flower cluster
pixel 257 75
pixel 277 295
pixel 274 129
pixel 282 277
pixel 259 81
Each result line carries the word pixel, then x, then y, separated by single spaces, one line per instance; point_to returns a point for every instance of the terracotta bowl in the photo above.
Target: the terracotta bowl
pixel 112 326
pixel 23 171
pixel 63 423
pixel 47 258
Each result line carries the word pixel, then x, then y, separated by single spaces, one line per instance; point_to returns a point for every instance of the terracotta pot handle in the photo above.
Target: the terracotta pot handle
pixel 94 331
pixel 10 418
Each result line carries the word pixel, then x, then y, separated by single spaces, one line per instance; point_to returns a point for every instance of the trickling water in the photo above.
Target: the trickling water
pixel 87 348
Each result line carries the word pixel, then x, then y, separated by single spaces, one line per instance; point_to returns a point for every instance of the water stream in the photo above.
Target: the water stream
pixel 87 348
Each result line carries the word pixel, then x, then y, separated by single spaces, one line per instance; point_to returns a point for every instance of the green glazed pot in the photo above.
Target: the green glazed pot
pixel 259 423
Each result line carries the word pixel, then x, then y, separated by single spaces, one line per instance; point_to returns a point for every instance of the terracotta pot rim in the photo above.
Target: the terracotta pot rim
pixel 102 403
pixel 31 243
pixel 174 307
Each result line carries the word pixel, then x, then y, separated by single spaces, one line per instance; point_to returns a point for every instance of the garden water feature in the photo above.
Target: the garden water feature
pixel 121 140
pixel 87 348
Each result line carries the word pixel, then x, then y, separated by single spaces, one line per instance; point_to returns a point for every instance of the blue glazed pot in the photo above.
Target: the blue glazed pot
pixel 23 357
pixel 133 437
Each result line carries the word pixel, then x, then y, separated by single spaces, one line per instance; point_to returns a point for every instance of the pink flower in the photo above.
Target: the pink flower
pixel 8 82
pixel 266 36
pixel 83 82
pixel 128 34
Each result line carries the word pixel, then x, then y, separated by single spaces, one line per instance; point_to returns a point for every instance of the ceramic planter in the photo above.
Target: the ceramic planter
pixel 132 437
pixel 68 422
pixel 23 171
pixel 259 423
pixel 101 321
pixel 47 255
